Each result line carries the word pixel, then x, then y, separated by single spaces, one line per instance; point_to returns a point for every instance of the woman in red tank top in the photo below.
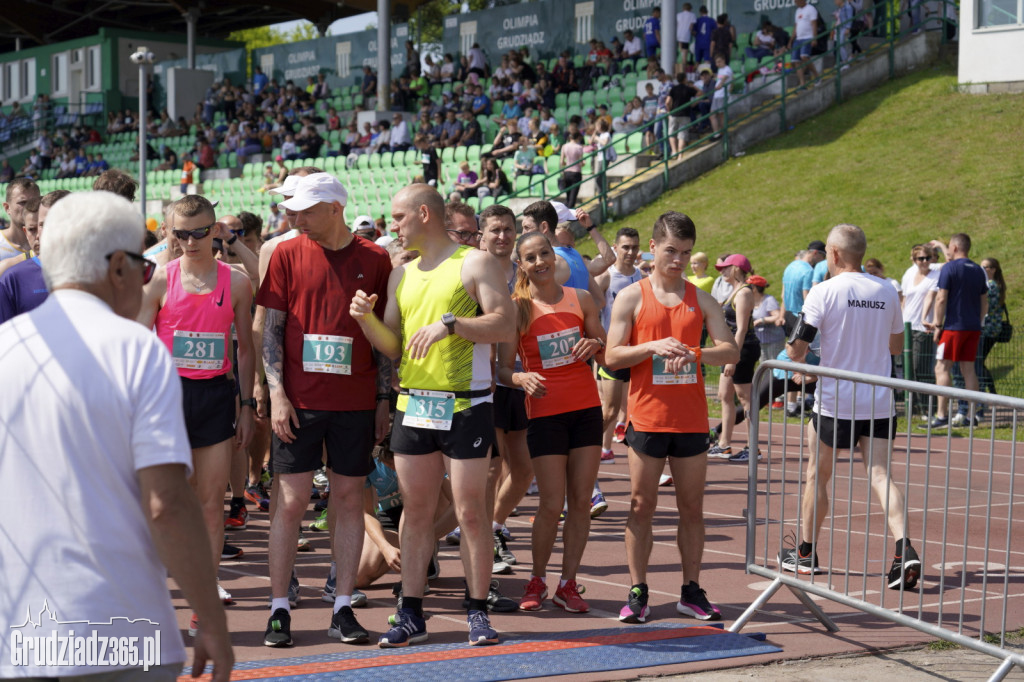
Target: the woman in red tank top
pixel 559 331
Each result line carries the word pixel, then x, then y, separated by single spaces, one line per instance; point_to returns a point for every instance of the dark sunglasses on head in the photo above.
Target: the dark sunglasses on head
pixel 148 266
pixel 197 234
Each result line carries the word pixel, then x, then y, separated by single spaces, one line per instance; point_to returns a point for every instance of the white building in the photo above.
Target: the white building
pixel 991 46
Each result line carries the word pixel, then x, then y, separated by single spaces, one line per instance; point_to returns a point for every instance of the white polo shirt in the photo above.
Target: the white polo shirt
pixel 89 398
pixel 855 313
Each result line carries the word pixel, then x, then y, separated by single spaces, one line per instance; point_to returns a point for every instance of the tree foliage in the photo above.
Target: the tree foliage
pixel 268 36
pixel 428 20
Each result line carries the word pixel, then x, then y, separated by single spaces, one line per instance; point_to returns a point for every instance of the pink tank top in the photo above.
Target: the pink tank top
pixel 196 328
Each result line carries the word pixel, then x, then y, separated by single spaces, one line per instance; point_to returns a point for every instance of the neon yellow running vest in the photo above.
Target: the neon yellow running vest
pixel 453 363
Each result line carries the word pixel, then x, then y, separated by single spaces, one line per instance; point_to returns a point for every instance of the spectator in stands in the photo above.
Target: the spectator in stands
pixel 679 98
pixel 703 29
pixel 631 119
pixel 652 33
pixel 472 134
pixel 447 69
pixel 481 103
pixel 723 39
pixel 505 142
pixel 632 47
pixel 477 61
pixel 429 160
pixel 451 130
pixel 563 75
pixel 723 79
pixel 381 142
pixel 259 80
pixel 841 32
pixel 6 172
pixel 806 29
pixel 524 161
pixel 462 70
pixel 207 155
pixel 764 42
pixel 572 169
pixel 400 138
pixel 67 166
pixel 467 182
pixel 496 183
pixel 685 22
pixel 321 90
pixel 368 87
pixel 412 59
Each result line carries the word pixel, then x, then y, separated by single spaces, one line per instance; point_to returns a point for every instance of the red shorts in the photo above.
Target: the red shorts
pixel 957 346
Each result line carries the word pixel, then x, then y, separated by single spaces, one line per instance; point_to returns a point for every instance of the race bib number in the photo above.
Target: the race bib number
pixel 687 374
pixel 198 350
pixel 327 354
pixel 556 348
pixel 429 410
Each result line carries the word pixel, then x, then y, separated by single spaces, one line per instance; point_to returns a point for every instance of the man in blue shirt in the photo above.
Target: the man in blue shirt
pixel 702 31
pixel 652 32
pixel 797 279
pixel 259 81
pixel 481 103
pixel 960 305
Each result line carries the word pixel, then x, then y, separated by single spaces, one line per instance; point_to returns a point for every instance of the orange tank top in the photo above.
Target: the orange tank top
pixel 658 401
pixel 546 348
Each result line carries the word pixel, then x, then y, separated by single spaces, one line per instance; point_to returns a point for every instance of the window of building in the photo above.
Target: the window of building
pixel 28 78
pixel 93 68
pixel 59 73
pixel 992 13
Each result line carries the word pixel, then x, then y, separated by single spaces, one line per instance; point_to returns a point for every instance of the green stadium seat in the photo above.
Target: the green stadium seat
pixel 461 153
pixel 561 100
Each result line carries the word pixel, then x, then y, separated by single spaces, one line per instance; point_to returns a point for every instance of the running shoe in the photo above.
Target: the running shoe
pixel 598 505
pixel 636 609
pixel 322 503
pixel 320 478
pixel 238 516
pixel 694 602
pixel 496 601
pixel 345 627
pixel 935 424
pixel 905 570
pixel 359 599
pixel 607 455
pixel 331 586
pixel 500 567
pixel 257 494
pixel 320 525
pixel 225 596
pixel 620 433
pixel 568 597
pixel 720 452
pixel 480 631
pixel 532 488
pixel 961 420
pixel 792 560
pixel 505 531
pixel 193 625
pixel 304 545
pixel 665 480
pixel 743 456
pixel 434 567
pixel 231 552
pixel 279 629
pixel 407 628
pixel 501 547
pixel 455 537
pixel 777 405
pixel 533 598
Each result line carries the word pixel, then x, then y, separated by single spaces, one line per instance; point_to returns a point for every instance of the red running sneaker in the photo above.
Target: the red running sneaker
pixel 568 597
pixel 533 598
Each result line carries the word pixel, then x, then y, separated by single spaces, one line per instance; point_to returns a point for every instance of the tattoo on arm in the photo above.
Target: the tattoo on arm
pixel 273 346
pixel 383 373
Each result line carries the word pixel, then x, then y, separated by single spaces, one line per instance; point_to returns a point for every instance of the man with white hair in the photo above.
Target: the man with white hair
pixel 325 390
pixel 92 398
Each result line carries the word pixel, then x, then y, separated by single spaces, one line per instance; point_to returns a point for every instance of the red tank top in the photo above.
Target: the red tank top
pixel 546 348
pixel 196 328
pixel 661 402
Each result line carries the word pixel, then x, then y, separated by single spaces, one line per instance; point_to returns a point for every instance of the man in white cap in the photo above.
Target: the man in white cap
pixel 326 390
pixel 364 227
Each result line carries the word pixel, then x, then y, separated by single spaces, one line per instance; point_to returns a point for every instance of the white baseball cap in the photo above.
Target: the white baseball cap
pixel 287 188
pixel 384 241
pixel 565 214
pixel 363 222
pixel 314 189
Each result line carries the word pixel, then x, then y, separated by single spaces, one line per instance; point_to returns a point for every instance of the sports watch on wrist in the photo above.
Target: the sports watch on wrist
pixel 448 320
pixel 251 402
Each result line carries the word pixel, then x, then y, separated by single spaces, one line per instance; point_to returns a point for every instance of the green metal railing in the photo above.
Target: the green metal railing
pixel 601 169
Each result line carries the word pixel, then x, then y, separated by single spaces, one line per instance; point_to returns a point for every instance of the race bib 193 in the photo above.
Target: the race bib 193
pixel 429 410
pixel 659 375
pixel 556 348
pixel 327 354
pixel 198 350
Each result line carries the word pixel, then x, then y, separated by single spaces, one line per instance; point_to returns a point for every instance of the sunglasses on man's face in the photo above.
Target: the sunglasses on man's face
pixel 148 266
pixel 197 234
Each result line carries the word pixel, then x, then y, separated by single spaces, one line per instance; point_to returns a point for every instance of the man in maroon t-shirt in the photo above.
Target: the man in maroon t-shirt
pixel 325 389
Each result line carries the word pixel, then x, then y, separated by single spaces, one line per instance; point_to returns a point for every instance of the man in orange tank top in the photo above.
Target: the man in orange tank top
pixel 655 330
pixel 192 302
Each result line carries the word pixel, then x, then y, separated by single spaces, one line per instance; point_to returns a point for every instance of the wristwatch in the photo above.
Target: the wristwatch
pixel 448 319
pixel 234 238
pixel 251 402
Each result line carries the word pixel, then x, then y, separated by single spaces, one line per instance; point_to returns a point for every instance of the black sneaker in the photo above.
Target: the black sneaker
pixel 905 570
pixel 231 552
pixel 792 560
pixel 502 548
pixel 496 601
pixel 636 609
pixel 279 629
pixel 694 602
pixel 345 627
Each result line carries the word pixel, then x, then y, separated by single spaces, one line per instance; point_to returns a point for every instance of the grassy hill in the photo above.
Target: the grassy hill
pixel 909 162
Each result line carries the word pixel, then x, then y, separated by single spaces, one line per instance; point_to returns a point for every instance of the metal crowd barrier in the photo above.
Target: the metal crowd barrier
pixel 958 488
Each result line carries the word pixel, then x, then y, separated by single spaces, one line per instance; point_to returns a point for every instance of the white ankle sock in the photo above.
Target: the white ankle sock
pixel 342 600
pixel 281 603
